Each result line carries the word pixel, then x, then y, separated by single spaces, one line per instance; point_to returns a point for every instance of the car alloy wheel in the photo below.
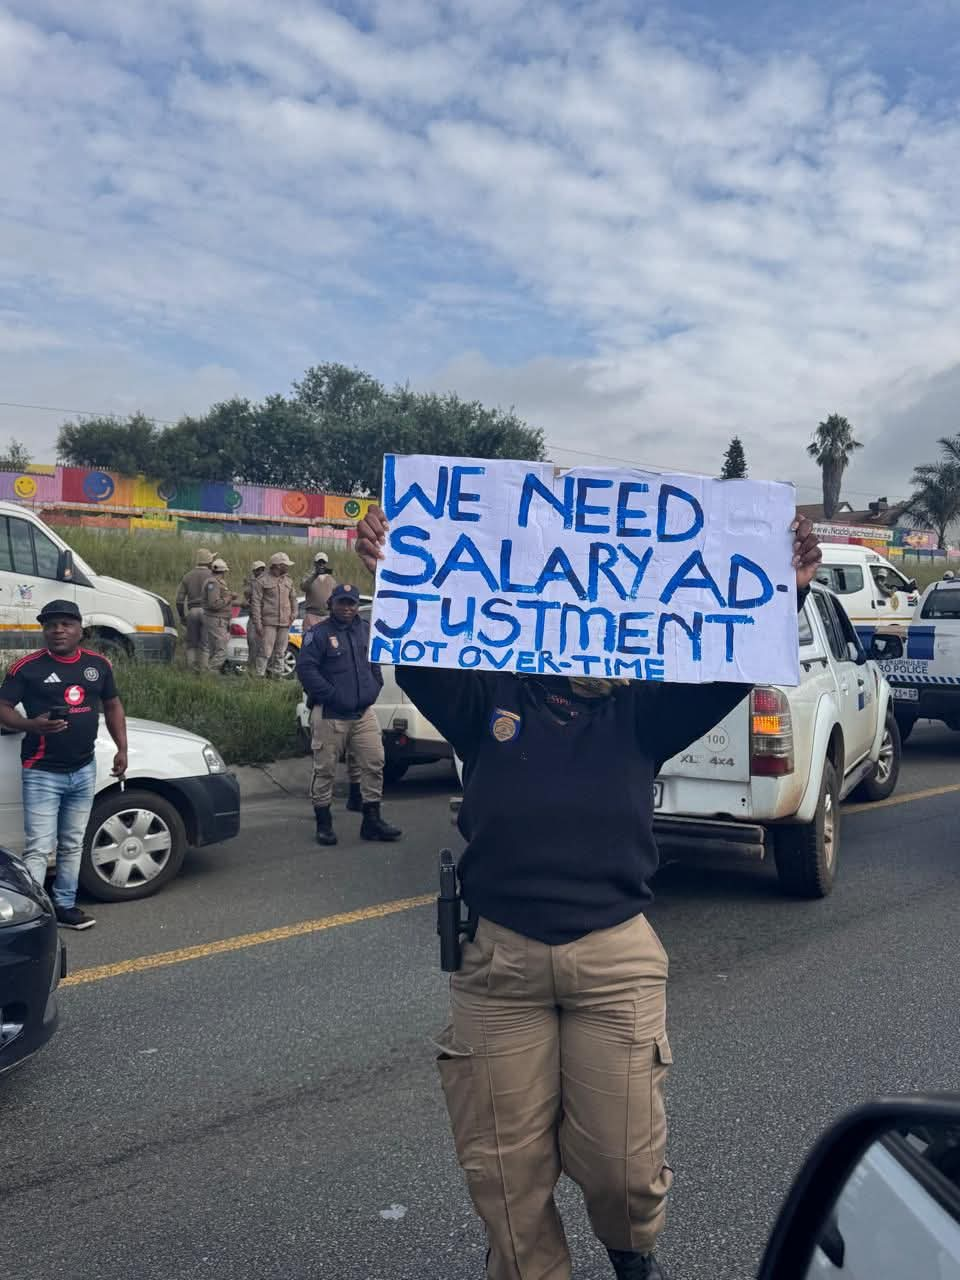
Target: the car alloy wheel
pixel 885 759
pixel 829 831
pixel 130 848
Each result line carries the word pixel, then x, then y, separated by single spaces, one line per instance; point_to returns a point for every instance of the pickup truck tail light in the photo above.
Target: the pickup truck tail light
pixel 238 629
pixel 771 734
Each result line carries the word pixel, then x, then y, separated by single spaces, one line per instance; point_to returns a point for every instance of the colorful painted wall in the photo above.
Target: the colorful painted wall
pixel 159 505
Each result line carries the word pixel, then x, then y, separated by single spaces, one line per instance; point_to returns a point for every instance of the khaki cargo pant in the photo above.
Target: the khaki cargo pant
pixel 196 642
pixel 554 1061
pixel 363 743
pixel 253 646
pixel 272 647
pixel 216 634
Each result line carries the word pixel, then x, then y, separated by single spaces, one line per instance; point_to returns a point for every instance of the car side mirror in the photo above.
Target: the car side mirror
pixel 912 584
pixel 65 565
pixel 878 1196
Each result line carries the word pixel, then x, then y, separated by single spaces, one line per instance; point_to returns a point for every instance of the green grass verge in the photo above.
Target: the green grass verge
pixel 157 561
pixel 249 721
pixel 924 572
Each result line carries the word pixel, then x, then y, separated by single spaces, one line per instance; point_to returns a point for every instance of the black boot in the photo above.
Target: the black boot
pixel 325 831
pixel 355 799
pixel 373 826
pixel 636 1266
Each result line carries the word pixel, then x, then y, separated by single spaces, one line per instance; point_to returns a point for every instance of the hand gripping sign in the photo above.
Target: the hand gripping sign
pixel 516 566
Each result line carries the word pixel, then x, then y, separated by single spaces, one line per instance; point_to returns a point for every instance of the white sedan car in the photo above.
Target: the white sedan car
pixel 178 793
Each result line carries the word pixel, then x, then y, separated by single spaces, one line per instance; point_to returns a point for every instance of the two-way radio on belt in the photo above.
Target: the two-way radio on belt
pixel 451 925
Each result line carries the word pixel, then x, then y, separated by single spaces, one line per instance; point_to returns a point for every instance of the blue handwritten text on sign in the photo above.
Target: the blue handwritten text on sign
pixel 499 565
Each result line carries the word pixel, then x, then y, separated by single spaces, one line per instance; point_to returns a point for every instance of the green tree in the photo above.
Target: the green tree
pixel 357 421
pixel 831 447
pixel 734 461
pixel 332 393
pixel 284 448
pixel 330 434
pixel 214 446
pixel 16 457
pixel 935 503
pixel 127 447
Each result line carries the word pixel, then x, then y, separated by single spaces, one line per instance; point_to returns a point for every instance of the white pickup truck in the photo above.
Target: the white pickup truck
pixel 772 774
pixel 923 667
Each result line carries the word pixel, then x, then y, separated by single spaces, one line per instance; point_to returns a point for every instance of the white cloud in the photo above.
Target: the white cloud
pixel 105 379
pixel 728 240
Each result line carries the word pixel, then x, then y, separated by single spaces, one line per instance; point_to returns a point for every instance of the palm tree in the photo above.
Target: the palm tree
pixel 831 447
pixel 936 500
pixel 950 448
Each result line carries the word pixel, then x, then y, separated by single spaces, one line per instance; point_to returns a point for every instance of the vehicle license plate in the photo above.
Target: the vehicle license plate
pixel 905 695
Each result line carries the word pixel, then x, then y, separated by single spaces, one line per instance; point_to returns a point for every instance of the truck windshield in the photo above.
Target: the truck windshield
pixel 943 602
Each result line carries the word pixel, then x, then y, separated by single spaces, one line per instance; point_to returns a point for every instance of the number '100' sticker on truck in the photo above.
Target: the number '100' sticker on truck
pixel 722 755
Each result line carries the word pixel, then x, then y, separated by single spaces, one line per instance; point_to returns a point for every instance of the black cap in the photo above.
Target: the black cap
pixel 344 591
pixel 59 609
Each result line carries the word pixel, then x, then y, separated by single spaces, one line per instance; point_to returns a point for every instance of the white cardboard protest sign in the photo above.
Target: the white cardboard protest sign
pixel 516 566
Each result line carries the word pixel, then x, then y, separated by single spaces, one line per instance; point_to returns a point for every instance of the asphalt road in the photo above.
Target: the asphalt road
pixel 271 1110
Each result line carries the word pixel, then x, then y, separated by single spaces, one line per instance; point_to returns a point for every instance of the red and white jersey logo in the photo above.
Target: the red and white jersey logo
pixel 73 695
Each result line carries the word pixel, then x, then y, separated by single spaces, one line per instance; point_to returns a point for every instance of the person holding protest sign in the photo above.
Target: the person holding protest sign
pixel 556 1052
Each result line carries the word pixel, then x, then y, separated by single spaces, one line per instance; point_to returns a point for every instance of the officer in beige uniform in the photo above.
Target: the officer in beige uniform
pixel 190 608
pixel 273 606
pixel 342 684
pixel 218 602
pixel 257 570
pixel 317 586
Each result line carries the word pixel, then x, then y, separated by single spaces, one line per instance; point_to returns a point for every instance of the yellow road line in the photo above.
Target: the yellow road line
pixel 160 960
pixel 905 799
pixel 242 941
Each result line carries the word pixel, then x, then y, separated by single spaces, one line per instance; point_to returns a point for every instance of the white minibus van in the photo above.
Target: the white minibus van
pixel 36 565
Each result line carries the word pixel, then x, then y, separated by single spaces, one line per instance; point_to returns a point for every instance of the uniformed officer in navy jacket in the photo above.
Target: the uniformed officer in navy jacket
pixel 341 685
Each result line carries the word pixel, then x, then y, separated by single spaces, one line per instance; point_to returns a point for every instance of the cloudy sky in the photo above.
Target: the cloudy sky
pixel 645 227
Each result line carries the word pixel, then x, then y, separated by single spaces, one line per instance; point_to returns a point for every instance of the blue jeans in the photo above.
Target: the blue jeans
pixel 56 810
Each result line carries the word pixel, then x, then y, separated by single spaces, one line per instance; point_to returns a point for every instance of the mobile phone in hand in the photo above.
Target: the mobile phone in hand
pixel 58 712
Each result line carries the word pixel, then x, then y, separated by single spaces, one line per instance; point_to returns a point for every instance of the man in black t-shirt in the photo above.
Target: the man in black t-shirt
pixel 62 688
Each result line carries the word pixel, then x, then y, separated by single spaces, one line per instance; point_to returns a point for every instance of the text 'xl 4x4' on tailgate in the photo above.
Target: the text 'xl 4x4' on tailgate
pixel 722 755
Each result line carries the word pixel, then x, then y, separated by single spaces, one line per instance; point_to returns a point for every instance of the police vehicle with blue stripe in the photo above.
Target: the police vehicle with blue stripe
pixel 923 667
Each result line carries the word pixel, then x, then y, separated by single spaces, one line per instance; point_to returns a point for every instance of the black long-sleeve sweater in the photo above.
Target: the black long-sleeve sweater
pixel 558 809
